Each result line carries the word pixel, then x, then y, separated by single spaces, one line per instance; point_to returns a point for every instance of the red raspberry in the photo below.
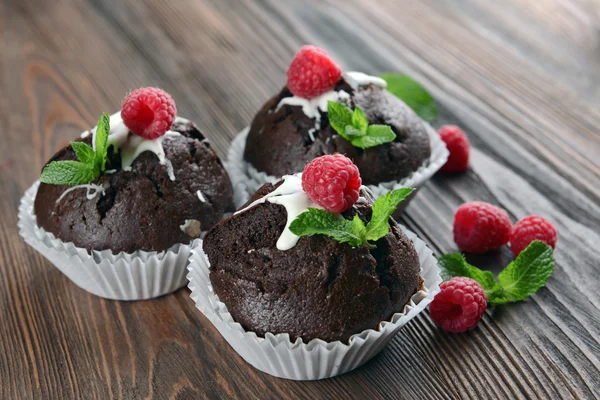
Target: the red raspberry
pixel 459 305
pixel 480 227
pixel 458 146
pixel 529 229
pixel 332 181
pixel 149 112
pixel 312 72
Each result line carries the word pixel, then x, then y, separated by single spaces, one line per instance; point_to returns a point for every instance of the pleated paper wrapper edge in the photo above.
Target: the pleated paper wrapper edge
pixel 123 276
pixel 278 356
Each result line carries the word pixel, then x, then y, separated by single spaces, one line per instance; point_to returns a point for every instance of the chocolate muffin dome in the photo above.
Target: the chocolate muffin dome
pixel 319 288
pixel 283 138
pixel 150 205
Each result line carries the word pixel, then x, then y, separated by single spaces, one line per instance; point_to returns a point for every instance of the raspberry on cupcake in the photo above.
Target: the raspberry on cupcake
pixel 324 111
pixel 312 256
pixel 144 180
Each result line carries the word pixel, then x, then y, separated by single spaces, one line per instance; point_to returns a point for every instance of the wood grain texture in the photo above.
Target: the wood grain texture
pixel 521 77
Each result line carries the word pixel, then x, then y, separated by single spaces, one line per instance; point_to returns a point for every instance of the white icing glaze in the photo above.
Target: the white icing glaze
pixel 357 79
pixel 312 107
pixel 201 196
pixel 290 195
pixel 92 191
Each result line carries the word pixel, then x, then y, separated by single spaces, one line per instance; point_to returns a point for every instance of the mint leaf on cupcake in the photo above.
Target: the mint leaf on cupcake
pixel 101 141
pixel 354 232
pixel 359 120
pixel 320 222
pixel 413 94
pixel 383 208
pixel 339 116
pixel 522 278
pixel 92 160
pixel 354 126
pixel 84 152
pixel 375 135
pixel 67 173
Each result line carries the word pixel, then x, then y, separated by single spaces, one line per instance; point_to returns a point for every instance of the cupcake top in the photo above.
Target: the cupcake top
pixel 285 264
pixel 126 190
pixel 374 128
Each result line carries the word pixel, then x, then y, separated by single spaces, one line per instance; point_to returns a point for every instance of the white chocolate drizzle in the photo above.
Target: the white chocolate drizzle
pixel 358 79
pixel 201 196
pixel 291 196
pixel 312 108
pixel 92 191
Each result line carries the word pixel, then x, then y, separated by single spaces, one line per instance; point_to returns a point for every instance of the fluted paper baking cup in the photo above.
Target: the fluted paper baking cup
pixel 243 173
pixel 122 276
pixel 277 355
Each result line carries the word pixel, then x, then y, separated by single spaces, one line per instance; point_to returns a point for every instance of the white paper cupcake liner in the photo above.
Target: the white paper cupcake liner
pixel 317 359
pixel 123 276
pixel 243 173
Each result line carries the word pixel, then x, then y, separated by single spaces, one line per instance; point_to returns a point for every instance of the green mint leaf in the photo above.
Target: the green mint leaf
pixel 339 116
pixel 359 229
pixel 413 94
pixel 67 173
pixel 351 132
pixel 383 208
pixel 497 295
pixel 376 135
pixel 84 152
pixel 359 120
pixel 452 265
pixel 320 222
pixel 528 272
pixel 101 141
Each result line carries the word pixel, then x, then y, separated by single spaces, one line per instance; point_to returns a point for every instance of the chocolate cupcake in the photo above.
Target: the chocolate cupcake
pixel 313 286
pixel 323 110
pixel 285 134
pixel 119 210
pixel 312 278
pixel 168 194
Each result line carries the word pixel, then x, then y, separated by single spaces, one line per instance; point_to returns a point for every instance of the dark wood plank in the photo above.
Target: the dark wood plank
pixel 519 76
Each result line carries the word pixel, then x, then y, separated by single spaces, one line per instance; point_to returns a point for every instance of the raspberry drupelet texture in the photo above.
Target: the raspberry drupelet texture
pixel 312 72
pixel 481 227
pixel 532 228
pixel 459 305
pixel 332 181
pixel 149 112
pixel 458 146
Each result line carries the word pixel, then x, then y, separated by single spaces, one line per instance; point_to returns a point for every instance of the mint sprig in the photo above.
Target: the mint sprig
pixel 413 94
pixel 354 126
pixel 315 221
pixel 92 160
pixel 522 278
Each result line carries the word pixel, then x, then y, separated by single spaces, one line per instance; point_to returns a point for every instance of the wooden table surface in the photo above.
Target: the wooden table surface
pixel 521 77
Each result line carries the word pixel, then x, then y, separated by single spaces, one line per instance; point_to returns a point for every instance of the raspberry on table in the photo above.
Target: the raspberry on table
pixel 332 181
pixel 532 228
pixel 312 72
pixel 481 227
pixel 458 146
pixel 149 112
pixel 459 305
